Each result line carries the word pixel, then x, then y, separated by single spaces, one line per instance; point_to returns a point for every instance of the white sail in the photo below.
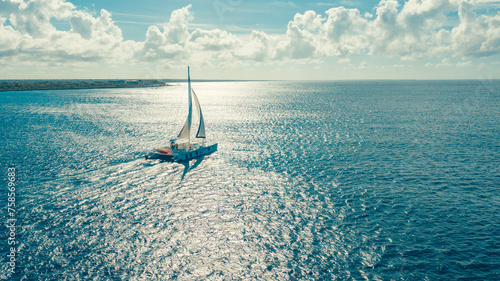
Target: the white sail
pixel 186 130
pixel 201 127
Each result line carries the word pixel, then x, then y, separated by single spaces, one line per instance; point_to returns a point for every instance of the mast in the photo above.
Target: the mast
pixel 186 130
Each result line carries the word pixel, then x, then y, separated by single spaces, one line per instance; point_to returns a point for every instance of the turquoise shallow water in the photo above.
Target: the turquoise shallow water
pixel 376 180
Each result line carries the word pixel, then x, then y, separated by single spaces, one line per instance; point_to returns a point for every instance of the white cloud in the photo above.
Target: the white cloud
pixel 176 29
pixel 33 17
pixel 409 31
pixel 9 38
pixel 175 41
pixel 476 35
pixel 300 43
pixel 345 32
pixel 82 23
pixel 170 42
pixel 444 63
pixel 32 37
pixel 309 20
pixel 260 47
pixel 214 40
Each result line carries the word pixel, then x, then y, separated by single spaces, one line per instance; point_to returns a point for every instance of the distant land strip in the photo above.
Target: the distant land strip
pixel 30 85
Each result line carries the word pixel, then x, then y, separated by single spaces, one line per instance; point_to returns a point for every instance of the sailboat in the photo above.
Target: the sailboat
pixel 181 148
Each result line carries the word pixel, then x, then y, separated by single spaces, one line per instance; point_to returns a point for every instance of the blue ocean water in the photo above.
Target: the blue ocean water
pixel 367 180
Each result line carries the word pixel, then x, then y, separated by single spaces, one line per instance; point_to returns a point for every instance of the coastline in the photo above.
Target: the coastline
pixel 32 85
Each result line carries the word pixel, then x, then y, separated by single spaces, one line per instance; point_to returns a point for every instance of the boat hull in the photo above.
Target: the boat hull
pixel 159 156
pixel 180 156
pixel 195 153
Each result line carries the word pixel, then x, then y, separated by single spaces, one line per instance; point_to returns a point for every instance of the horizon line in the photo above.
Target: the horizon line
pixel 249 80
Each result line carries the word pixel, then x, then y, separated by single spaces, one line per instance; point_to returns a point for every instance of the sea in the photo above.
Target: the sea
pixel 338 180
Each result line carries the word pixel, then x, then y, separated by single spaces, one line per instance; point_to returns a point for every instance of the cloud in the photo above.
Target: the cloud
pixel 411 30
pixel 444 63
pixel 476 35
pixel 33 17
pixel 344 32
pixel 309 20
pixel 260 47
pixel 31 37
pixel 169 42
pixel 414 30
pixel 214 40
pixel 300 43
pixel 175 41
pixel 9 38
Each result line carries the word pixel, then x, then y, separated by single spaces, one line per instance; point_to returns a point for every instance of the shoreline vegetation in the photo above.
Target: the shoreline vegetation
pixel 31 85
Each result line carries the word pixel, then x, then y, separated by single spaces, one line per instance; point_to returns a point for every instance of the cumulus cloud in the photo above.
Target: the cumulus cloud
pixel 300 43
pixel 214 40
pixel 345 31
pixel 174 40
pixel 411 30
pixel 415 29
pixel 260 47
pixel 32 37
pixel 9 38
pixel 33 17
pixel 476 35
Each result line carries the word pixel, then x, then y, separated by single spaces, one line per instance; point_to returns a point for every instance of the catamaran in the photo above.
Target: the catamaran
pixel 181 148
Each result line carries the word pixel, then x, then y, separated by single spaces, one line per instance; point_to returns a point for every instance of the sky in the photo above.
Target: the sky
pixel 250 40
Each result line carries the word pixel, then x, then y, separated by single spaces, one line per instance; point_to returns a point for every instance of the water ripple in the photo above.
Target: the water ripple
pixel 312 181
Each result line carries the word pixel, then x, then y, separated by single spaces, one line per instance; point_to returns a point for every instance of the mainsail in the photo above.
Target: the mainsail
pixel 201 127
pixel 186 130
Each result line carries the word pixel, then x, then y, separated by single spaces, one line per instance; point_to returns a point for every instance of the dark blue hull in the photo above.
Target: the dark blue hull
pixel 202 151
